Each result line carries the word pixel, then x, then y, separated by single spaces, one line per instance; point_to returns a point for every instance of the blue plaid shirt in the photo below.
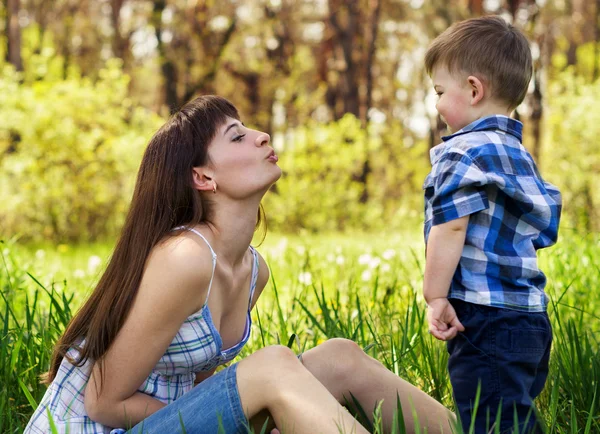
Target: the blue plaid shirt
pixel 484 171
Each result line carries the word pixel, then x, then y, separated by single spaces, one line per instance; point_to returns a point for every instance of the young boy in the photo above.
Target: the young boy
pixel 487 212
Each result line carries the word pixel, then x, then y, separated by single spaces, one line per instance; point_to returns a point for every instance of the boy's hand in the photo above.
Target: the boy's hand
pixel 442 319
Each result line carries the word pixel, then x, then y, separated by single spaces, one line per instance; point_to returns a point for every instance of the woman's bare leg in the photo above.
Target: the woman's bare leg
pixel 273 379
pixel 342 367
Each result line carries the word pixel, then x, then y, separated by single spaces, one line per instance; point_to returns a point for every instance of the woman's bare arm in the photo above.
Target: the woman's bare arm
pixel 174 285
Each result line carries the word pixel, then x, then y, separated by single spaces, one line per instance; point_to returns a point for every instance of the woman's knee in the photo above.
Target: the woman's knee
pixel 341 347
pixel 270 363
pixel 337 359
pixel 278 354
pixel 265 376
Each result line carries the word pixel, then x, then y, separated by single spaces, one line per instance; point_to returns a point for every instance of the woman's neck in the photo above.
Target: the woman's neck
pixel 233 225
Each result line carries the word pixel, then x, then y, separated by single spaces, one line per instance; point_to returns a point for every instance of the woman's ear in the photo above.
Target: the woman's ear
pixel 202 179
pixel 477 89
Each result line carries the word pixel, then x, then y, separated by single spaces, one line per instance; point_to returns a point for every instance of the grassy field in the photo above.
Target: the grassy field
pixel 362 287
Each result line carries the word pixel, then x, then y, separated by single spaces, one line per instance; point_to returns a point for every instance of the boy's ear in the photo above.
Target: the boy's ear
pixel 202 179
pixel 477 89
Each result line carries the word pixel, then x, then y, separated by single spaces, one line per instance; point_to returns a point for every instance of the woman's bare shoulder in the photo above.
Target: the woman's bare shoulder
pixel 182 265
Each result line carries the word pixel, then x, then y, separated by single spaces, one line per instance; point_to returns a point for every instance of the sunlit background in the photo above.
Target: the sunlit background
pixel 340 86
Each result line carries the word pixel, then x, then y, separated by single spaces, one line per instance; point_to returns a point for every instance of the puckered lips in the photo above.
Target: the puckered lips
pixel 271 156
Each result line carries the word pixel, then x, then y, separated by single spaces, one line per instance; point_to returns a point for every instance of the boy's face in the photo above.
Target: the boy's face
pixel 455 96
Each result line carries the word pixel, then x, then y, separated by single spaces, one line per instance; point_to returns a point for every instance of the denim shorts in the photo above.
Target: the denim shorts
pixel 212 407
pixel 507 352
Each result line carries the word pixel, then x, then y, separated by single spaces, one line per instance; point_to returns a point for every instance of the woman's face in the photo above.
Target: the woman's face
pixel 243 161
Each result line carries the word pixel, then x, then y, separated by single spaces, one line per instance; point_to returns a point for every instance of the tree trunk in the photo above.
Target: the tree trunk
pixel 42 17
pixel 66 48
pixel 597 43
pixel 120 45
pixel 346 36
pixel 513 7
pixel 572 34
pixel 376 6
pixel 325 53
pixel 209 77
pixel 536 118
pixel 13 32
pixel 476 7
pixel 169 71
pixel 537 97
pixel 252 84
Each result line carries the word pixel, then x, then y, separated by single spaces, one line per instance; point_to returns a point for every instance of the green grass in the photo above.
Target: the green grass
pixel 362 287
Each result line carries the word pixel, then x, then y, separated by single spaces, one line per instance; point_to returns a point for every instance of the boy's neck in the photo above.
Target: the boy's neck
pixel 491 108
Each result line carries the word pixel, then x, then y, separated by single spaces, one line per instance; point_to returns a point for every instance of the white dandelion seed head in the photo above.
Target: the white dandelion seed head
pixel 93 263
pixel 389 254
pixel 364 259
pixel 374 262
pixel 305 278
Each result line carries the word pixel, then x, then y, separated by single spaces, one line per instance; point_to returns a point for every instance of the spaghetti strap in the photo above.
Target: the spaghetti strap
pixel 212 252
pixel 214 255
pixel 254 277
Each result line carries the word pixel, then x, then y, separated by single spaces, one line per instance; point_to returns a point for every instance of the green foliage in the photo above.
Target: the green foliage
pixel 364 287
pixel 571 156
pixel 69 151
pixel 70 148
pixel 72 131
pixel 326 186
pixel 321 164
pixel 585 59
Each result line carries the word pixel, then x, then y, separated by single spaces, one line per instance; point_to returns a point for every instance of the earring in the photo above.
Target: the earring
pixel 215 188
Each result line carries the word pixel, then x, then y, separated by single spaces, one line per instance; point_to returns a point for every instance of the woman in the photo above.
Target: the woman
pixel 174 303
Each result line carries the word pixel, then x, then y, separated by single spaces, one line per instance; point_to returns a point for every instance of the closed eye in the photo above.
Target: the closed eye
pixel 238 138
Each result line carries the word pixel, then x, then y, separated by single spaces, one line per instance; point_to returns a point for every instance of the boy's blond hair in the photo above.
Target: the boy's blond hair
pixel 489 48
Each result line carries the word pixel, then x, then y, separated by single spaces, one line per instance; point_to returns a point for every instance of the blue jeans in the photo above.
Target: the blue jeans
pixel 507 352
pixel 211 407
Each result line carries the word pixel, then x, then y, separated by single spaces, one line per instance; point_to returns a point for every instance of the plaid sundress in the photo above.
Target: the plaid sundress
pixel 197 347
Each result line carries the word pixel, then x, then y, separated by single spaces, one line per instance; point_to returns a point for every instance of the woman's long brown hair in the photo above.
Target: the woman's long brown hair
pixel 162 200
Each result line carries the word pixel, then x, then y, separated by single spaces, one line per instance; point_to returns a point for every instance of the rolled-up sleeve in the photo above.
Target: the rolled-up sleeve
pixel 459 188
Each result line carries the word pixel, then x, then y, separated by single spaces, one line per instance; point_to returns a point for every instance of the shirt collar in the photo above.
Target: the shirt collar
pixel 494 122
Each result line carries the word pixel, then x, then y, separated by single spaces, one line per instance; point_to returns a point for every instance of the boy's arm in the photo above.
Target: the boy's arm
pixel 444 248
